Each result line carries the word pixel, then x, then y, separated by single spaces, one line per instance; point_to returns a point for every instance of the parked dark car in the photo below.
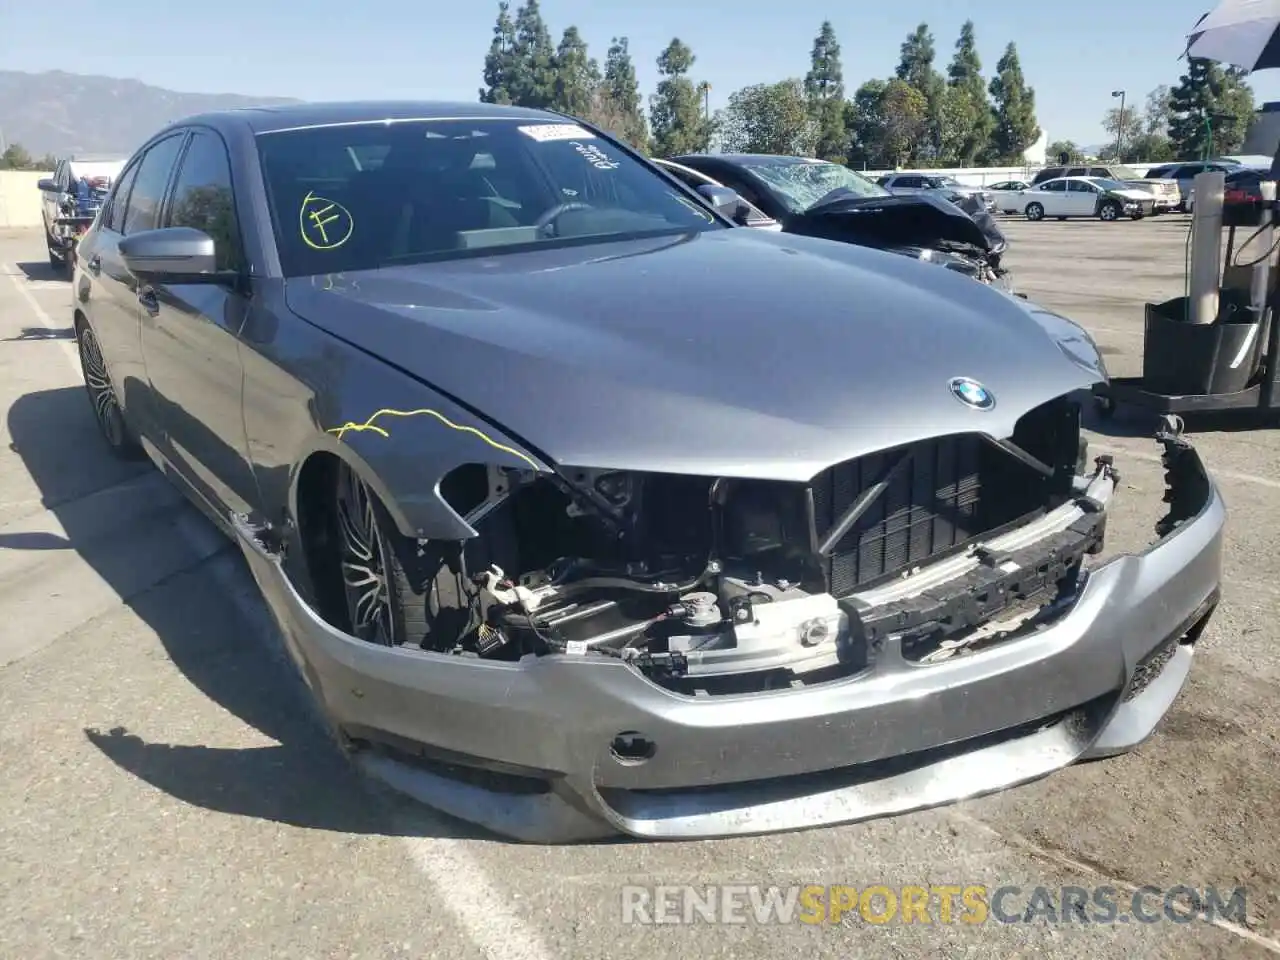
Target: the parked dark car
pixel 584 511
pixel 820 199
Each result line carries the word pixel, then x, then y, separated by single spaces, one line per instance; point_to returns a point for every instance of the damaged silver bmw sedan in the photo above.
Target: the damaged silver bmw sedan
pixel 584 512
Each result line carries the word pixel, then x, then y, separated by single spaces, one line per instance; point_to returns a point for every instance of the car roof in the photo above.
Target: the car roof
pixel 291 116
pixel 748 159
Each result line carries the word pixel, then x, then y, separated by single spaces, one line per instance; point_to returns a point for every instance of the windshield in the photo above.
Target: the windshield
pixel 1106 184
pixel 1124 173
pixel 355 197
pixel 947 182
pixel 803 184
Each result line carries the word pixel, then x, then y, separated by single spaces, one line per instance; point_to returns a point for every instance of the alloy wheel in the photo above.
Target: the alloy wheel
pixel 364 562
pixel 101 394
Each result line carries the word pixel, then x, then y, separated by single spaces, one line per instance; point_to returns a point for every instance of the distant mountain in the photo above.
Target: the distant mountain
pixel 63 113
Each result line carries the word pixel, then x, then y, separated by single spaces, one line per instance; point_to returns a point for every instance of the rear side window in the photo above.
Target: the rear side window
pixel 148 189
pixel 120 200
pixel 1048 173
pixel 1058 186
pixel 203 199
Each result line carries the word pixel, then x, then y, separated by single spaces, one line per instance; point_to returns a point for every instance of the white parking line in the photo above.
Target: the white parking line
pixel 475 902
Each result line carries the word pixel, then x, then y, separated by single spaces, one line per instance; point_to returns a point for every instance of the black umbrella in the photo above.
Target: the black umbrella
pixel 1242 33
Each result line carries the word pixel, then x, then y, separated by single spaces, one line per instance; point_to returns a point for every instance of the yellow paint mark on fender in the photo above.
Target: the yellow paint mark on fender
pixel 324 224
pixel 369 424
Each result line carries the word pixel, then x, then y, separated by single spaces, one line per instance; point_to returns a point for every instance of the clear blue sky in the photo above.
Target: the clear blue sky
pixel 1074 54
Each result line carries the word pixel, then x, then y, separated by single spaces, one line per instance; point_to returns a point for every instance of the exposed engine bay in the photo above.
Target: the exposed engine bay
pixel 719 585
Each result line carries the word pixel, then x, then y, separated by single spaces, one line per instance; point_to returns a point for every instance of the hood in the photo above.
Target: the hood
pixel 919 219
pixel 733 352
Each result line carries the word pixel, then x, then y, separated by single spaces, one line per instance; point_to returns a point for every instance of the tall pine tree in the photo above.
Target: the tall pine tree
pixel 1015 110
pixel 534 81
pixel 500 65
pixel 576 75
pixel 915 68
pixel 675 110
pixel 621 95
pixel 1209 110
pixel 972 109
pixel 824 88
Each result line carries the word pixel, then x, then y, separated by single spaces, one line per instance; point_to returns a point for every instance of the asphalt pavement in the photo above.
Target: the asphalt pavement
pixel 167 791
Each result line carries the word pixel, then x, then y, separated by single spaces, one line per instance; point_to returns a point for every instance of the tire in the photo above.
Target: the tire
pixel 1034 211
pixel 55 261
pixel 382 605
pixel 102 398
pixel 1109 211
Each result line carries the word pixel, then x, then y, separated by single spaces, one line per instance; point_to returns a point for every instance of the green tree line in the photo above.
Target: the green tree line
pixel 15 157
pixel 922 116
pixel 1207 114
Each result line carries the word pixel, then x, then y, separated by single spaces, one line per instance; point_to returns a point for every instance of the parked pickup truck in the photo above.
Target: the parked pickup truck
pixel 70 199
pixel 1166 194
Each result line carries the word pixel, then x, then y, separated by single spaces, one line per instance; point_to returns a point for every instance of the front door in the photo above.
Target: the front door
pixel 190 338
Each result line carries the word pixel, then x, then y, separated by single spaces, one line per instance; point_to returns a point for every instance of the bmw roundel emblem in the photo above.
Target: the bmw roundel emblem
pixel 971 393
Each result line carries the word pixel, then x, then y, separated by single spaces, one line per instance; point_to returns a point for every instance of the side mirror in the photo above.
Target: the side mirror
pixel 47 184
pixel 171 255
pixel 727 202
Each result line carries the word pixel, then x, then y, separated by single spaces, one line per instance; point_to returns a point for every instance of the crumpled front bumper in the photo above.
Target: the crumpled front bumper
pixel 898 737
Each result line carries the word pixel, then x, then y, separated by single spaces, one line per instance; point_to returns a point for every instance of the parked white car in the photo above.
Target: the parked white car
pixel 1066 197
pixel 1007 195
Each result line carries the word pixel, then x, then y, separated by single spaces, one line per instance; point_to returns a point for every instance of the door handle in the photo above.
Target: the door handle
pixel 147 297
pixel 94 264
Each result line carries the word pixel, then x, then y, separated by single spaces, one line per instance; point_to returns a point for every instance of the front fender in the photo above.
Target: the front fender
pixel 306 393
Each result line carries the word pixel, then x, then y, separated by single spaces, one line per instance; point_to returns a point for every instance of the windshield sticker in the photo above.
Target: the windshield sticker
pixel 324 225
pixel 544 132
pixel 595 156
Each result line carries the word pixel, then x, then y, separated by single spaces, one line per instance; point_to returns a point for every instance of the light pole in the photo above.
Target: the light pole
pixel 1119 126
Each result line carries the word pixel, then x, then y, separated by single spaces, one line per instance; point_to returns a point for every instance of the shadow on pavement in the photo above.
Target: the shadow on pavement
pixel 42 333
pixel 40 270
pixel 301 779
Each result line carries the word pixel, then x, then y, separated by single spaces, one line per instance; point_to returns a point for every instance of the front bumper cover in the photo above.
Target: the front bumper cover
pixel 530 750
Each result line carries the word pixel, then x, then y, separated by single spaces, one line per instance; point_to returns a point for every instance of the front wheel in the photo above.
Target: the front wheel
pixel 386 579
pixel 1034 211
pixel 1109 211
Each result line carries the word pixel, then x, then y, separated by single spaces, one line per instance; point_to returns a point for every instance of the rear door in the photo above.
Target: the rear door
pixel 1053 198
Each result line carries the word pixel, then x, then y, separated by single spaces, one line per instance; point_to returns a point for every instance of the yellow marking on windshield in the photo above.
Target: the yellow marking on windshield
pixel 324 224
pixel 349 426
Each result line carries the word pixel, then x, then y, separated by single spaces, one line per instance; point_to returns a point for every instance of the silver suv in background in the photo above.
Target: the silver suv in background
pixel 949 187
pixel 1184 175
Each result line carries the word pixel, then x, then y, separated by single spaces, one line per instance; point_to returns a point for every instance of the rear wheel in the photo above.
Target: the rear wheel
pixel 1110 210
pixel 102 395
pixel 1034 211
